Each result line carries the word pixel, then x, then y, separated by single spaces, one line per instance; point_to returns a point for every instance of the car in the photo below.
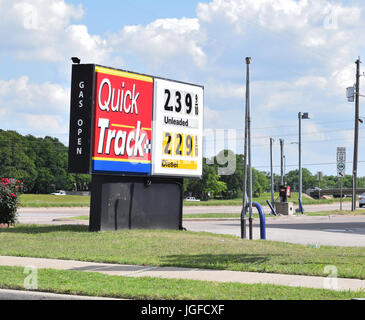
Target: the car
pixel 191 199
pixel 59 193
pixel 362 200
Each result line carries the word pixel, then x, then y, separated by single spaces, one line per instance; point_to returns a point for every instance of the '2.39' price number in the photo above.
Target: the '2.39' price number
pixel 179 144
pixel 181 102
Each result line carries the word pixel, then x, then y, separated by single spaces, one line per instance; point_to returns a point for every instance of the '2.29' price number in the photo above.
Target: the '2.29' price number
pixel 179 144
pixel 181 102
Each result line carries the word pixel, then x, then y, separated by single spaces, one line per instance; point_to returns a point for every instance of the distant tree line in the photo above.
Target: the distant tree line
pixel 41 164
pixel 229 186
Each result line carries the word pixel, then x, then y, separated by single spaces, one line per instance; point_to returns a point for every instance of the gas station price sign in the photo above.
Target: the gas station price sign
pixel 133 124
pixel 177 129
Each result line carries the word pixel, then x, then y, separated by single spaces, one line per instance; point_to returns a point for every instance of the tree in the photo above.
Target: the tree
pixel 260 183
pixel 40 163
pixel 206 187
pixel 232 175
pixel 223 178
pixel 308 180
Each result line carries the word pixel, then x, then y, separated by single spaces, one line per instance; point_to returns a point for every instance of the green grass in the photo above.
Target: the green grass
pixel 49 200
pixel 358 212
pixel 179 248
pixel 96 284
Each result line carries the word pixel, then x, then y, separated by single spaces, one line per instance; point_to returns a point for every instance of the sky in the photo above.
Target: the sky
pixel 303 59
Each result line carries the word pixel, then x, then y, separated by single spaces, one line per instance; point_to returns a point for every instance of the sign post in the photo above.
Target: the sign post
pixel 319 178
pixel 341 167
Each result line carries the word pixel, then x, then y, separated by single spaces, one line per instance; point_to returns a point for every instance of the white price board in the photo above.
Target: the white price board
pixel 177 129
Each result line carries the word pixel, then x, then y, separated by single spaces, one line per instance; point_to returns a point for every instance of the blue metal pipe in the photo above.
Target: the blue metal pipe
pixel 301 206
pixel 272 208
pixel 262 220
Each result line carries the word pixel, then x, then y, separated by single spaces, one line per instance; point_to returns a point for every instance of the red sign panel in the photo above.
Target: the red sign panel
pixel 122 122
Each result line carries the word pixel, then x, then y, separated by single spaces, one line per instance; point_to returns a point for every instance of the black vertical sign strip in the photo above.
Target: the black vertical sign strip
pixel 81 117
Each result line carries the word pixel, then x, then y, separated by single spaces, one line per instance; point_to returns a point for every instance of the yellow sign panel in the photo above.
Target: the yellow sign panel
pixel 167 143
pixel 179 164
pixel 189 145
pixel 178 144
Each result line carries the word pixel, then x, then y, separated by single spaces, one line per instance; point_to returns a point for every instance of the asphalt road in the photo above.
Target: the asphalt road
pixel 237 209
pixel 47 215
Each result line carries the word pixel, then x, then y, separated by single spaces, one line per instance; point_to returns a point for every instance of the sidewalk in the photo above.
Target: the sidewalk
pixel 188 273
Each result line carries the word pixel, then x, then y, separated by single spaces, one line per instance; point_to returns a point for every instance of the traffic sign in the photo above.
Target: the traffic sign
pixel 341 161
pixel 341 166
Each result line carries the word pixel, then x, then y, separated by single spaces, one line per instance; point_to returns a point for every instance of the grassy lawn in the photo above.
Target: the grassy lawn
pixel 179 248
pixel 95 284
pixel 49 200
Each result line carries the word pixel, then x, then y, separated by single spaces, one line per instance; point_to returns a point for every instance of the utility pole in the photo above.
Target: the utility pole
pixel 250 220
pixel 356 138
pixel 300 158
pixel 304 115
pixel 272 174
pixel 247 156
pixel 281 161
pixel 284 169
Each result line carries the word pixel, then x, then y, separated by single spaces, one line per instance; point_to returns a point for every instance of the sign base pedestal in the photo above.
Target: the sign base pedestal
pixel 120 202
pixel 284 208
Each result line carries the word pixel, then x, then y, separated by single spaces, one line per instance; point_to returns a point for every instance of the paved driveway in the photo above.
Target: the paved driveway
pixel 332 230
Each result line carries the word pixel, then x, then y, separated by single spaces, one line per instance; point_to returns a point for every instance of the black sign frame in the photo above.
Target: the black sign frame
pixel 81 118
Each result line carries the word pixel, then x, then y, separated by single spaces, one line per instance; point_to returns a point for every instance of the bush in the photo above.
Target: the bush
pixel 9 200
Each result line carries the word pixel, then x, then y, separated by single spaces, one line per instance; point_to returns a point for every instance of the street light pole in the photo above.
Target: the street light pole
pixel 247 157
pixel 301 116
pixel 272 174
pixel 300 157
pixel 281 161
pixel 356 138
pixel 250 220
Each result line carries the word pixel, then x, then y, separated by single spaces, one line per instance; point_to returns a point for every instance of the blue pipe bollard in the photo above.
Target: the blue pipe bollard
pixel 301 206
pixel 262 220
pixel 271 207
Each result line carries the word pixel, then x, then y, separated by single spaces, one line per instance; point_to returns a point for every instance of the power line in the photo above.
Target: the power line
pixel 310 164
pixel 222 137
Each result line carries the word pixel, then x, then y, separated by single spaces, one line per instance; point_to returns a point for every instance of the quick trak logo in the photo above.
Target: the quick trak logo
pixel 122 122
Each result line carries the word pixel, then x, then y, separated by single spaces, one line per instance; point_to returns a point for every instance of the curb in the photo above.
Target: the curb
pixel 13 294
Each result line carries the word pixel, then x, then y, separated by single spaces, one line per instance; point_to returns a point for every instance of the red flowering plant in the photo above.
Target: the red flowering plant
pixel 9 200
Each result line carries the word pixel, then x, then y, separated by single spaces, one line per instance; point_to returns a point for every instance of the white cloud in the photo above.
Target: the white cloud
pixel 224 90
pixel 47 124
pixel 162 41
pixel 32 107
pixel 22 96
pixel 42 30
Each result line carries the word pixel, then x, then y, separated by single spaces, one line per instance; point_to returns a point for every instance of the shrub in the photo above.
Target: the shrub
pixel 9 200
